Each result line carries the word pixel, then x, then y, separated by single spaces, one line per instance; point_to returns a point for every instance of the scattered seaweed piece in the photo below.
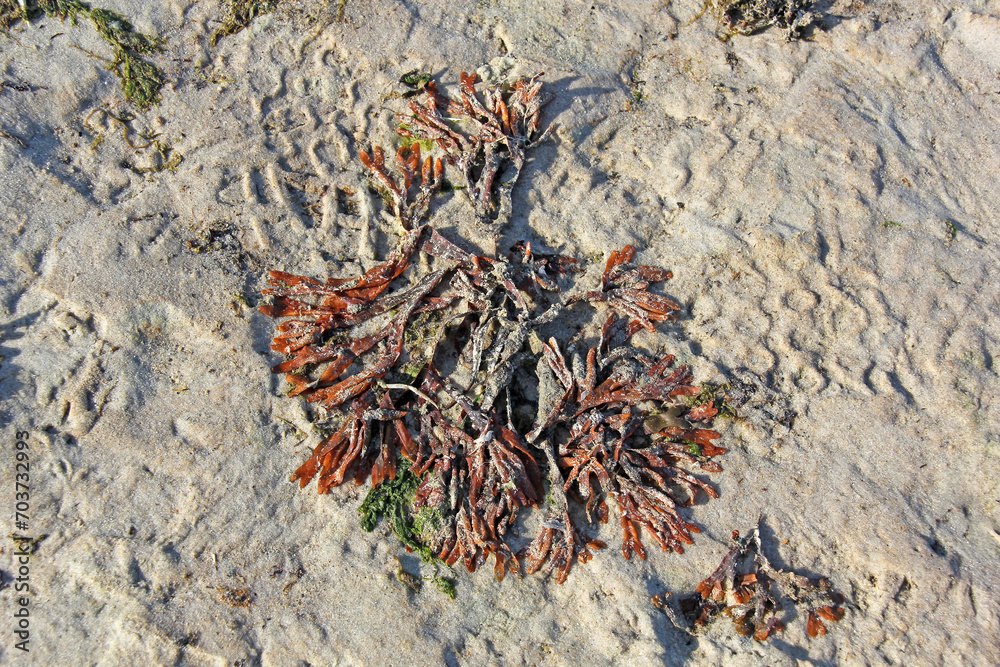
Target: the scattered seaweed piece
pixel 502 128
pixel 446 586
pixel 141 80
pixel 747 588
pixel 13 137
pixel 22 87
pixel 711 401
pixel 240 14
pixel 416 81
pixel 235 597
pixel 950 232
pixel 746 17
pixel 165 158
pixel 411 581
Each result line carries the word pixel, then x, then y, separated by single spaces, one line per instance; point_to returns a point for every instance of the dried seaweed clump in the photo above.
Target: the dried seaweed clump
pixel 141 80
pixel 600 437
pixel 376 348
pixel 748 589
pixel 486 139
pixel 429 368
pixel 240 14
pixel 746 17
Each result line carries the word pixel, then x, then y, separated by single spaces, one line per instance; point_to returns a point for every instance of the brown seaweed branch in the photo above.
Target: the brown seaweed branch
pixel 624 287
pixel 477 484
pixel 608 449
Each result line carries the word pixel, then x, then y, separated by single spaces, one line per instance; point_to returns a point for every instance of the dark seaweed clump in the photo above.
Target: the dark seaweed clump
pixel 239 14
pixel 745 17
pixel 751 591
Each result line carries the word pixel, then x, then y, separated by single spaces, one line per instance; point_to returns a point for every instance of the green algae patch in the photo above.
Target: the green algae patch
pixel 393 499
pixel 140 79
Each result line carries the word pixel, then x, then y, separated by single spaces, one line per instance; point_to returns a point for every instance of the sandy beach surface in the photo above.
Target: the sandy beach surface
pixel 828 208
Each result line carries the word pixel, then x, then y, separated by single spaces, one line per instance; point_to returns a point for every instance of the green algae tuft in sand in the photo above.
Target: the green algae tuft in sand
pixel 140 79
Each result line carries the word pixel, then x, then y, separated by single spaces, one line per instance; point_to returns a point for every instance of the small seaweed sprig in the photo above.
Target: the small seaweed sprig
pixel 748 588
pixel 407 205
pixel 503 126
pixel 625 288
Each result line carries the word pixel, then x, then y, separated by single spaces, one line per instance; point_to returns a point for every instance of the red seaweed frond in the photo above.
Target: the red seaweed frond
pixel 410 199
pixel 477 479
pixel 364 344
pixel 608 446
pixel 624 287
pixel 320 311
pixel 345 450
